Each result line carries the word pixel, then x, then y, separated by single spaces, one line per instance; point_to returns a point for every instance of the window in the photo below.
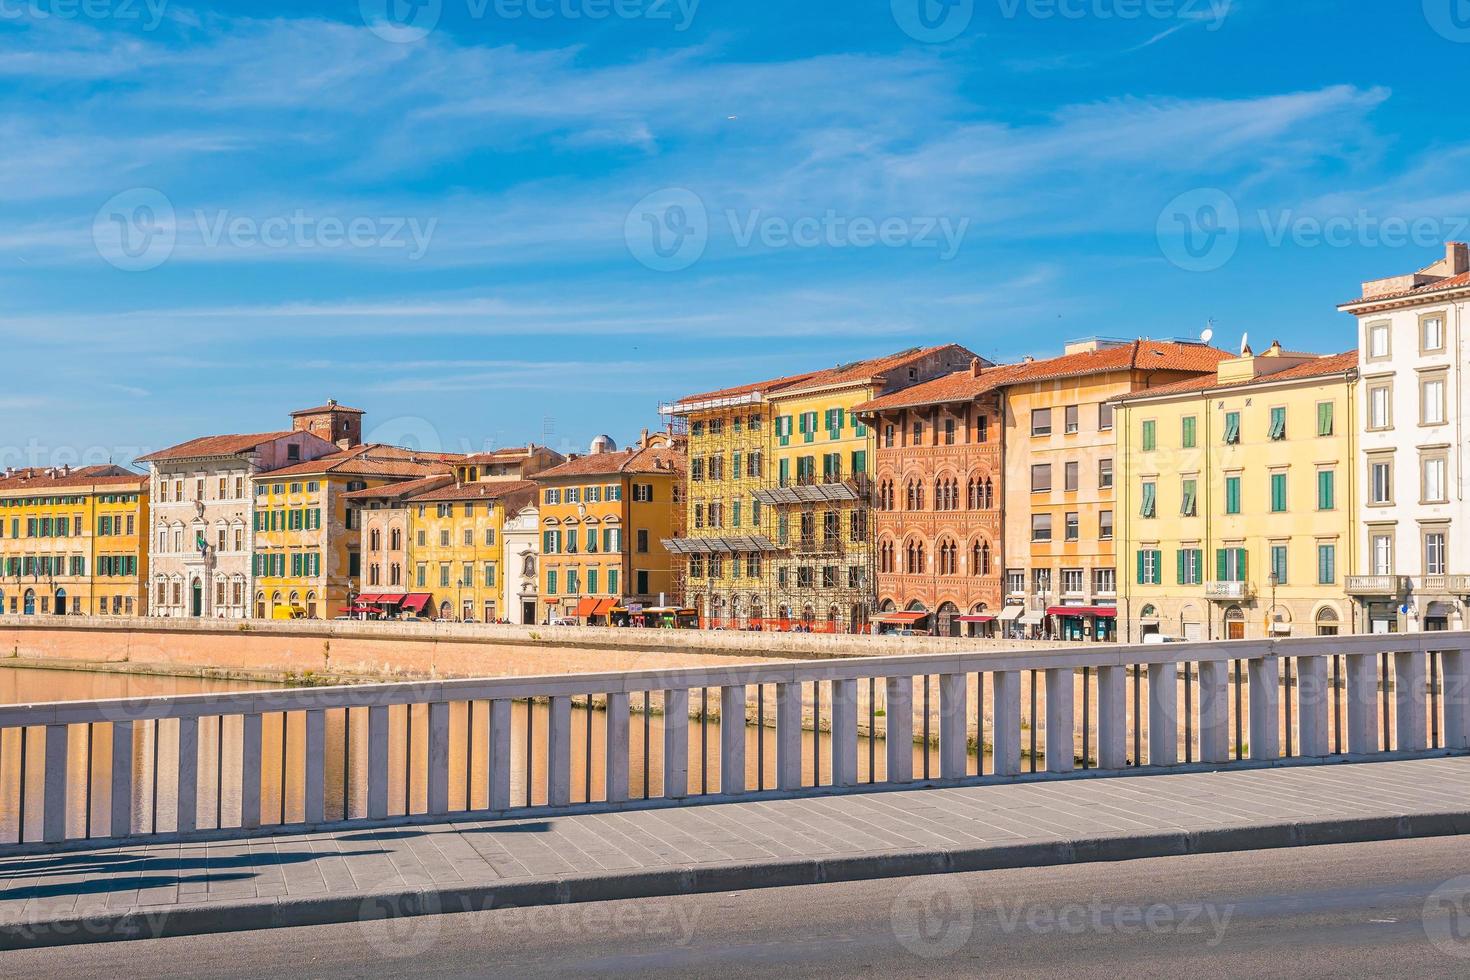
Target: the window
pixel 1278 563
pixel 1232 428
pixel 1188 497
pixel 1188 432
pixel 1434 553
pixel 1230 565
pixel 1149 572
pixel 1324 418
pixel 1105 417
pixel 1277 431
pixel 949 432
pixel 1104 581
pixel 1015 582
pixel 1326 489
pixel 1190 569
pixel 1434 487
pixel 1232 495
pixel 1072 580
pixel 1041 422
pixel 1073 528
pixel 1041 478
pixel 1150 497
pixel 1071 421
pixel 1278 493
pixel 1381 550
pixel 1040 527
pixel 1069 476
pixel 642 541
pixel 643 493
pixel 1326 564
pixel 1431 334
pixel 1379 347
pixel 1105 474
pixel 1150 440
pixel 1431 401
pixel 1105 525
pixel 1380 481
pixel 1380 406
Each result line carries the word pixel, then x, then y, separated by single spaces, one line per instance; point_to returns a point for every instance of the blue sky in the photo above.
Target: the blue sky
pixel 447 217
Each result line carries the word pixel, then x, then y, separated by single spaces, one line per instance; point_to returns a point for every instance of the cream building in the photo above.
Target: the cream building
pixel 522 565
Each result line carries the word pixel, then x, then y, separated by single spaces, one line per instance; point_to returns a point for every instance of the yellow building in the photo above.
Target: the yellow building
pixel 1236 500
pixel 604 520
pixel 510 463
pixel 307 555
pixel 71 541
pixel 1060 475
pixel 457 547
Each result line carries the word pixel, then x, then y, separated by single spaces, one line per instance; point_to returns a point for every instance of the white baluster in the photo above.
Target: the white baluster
pixel 1112 717
pixel 616 745
pixel 1265 707
pixel 788 736
pixel 559 752
pixel 1362 703
pixel 1214 711
pixel 377 764
pixel 844 733
pixel 187 797
pixel 53 814
pixel 122 778
pixel 953 738
pixel 1456 683
pixel 1409 700
pixel 732 738
pixel 676 744
pixel 1061 739
pixel 899 722
pixel 1007 722
pixel 250 773
pixel 1313 700
pixel 438 777
pixel 1163 714
pixel 501 712
pixel 314 794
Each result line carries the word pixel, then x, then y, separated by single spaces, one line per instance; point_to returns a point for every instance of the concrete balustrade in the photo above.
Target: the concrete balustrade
pixel 1320 719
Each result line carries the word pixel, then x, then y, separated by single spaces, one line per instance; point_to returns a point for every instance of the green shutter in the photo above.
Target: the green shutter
pixel 1189 432
pixel 1141 569
pixel 1149 440
pixel 1324 419
pixel 1179 578
pixel 1220 565
pixel 1232 428
pixel 1278 493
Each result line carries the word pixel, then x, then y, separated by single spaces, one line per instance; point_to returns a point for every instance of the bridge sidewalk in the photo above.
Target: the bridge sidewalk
pixel 156 890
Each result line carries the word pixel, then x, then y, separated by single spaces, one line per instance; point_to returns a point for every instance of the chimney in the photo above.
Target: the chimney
pixel 1274 350
pixel 66 469
pixel 975 367
pixel 1457 258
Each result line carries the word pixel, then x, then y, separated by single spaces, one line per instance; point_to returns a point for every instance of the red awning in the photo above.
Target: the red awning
pixel 392 597
pixel 899 618
pixel 368 597
pixel 585 606
pixel 977 619
pixel 604 606
pixel 417 601
pixel 1101 612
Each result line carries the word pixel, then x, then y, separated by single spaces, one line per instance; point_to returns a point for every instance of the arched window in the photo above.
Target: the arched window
pixel 980 558
pixel 948 557
pixel 375 540
pixel 395 539
pixel 915 564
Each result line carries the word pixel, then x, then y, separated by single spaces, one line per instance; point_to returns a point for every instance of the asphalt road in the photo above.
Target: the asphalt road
pixel 1351 910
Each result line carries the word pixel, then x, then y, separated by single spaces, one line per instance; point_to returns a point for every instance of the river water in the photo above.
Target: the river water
pixel 283 775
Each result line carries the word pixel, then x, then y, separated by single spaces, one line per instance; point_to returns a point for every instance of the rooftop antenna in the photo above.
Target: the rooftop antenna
pixel 1209 332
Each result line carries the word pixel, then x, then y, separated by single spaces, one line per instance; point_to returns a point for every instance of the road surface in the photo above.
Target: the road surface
pixel 1363 909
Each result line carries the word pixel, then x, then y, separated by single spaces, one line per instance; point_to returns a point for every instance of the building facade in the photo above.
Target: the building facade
pixel 1412 511
pixel 1060 500
pixel 459 545
pixel 938 520
pixel 510 463
pixel 605 518
pixel 523 566
pixel 1236 503
pixel 388 551
pixel 72 541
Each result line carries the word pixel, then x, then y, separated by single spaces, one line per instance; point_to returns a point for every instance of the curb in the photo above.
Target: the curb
pixel 256 914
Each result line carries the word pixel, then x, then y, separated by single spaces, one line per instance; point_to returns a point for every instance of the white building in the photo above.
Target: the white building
pixel 522 540
pixel 1414 340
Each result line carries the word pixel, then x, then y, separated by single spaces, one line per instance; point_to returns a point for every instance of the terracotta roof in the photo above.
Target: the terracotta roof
pixel 1461 281
pixel 957 387
pixel 759 387
pixel 507 453
pixel 400 491
pixel 214 446
pixel 101 476
pixel 329 407
pixel 483 490
pixel 872 369
pixel 372 459
pixel 656 460
pixel 1323 366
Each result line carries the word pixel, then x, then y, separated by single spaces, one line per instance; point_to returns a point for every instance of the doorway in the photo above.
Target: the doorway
pixel 196 599
pixel 528 613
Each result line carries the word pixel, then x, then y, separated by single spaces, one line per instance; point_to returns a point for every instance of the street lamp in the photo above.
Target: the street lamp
pixel 1272 580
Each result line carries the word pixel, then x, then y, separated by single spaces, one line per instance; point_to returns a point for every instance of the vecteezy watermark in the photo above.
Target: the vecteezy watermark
pixel 1446 917
pixel 933 21
pixel 939 21
pixel 933 917
pixel 405 21
pixel 1199 231
pixel 1449 18
pixel 669 230
pixel 1361 229
pixel 139 230
pixel 148 13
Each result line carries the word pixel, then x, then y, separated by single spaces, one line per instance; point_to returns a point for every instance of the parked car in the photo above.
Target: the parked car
pixel 564 621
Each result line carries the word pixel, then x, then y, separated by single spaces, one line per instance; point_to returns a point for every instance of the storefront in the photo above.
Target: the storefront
pixel 1009 621
pixel 894 622
pixel 978 625
pixel 1082 624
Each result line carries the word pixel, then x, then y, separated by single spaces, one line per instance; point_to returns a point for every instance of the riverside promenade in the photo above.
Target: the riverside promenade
pixel 365 875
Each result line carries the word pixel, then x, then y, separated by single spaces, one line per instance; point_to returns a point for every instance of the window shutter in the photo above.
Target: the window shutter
pixel 1180 577
pixel 1140 569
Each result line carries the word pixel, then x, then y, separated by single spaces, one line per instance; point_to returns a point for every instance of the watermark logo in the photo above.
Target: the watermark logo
pixel 135 230
pixel 933 21
pixel 401 926
pixel 668 230
pixel 1362 229
pixel 1199 231
pixel 401 21
pixel 1446 917
pixel 933 917
pixel 1449 18
pixel 148 13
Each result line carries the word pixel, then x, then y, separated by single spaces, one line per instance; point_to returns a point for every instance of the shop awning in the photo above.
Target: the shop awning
pixel 1101 612
pixel 417 601
pixel 391 598
pixel 1032 619
pixel 1011 613
pixel 586 606
pixel 368 598
pixel 977 619
pixel 604 607
pixel 899 618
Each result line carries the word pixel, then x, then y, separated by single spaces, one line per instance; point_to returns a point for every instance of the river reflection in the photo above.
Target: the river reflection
pixel 283 774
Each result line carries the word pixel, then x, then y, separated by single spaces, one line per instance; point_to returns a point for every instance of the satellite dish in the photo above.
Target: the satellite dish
pixel 1245 344
pixel 1209 333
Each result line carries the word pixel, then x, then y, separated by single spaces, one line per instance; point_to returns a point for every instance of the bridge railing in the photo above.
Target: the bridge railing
pixel 233 764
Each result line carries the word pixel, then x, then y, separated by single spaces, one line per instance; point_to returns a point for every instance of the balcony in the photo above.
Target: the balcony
pixel 1228 591
pixel 1377 585
pixel 1457 584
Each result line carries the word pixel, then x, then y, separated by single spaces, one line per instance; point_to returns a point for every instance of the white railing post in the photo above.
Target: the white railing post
pixel 314 795
pixel 438 775
pixel 844 733
pixel 187 797
pixel 1163 714
pixel 953 718
pixel 788 736
pixel 1112 717
pixel 1409 700
pixel 616 745
pixel 559 752
pixel 1006 736
pixel 732 739
pixel 1265 707
pixel 1214 711
pixel 250 772
pixel 676 744
pixel 377 762
pixel 1061 740
pixel 1362 703
pixel 122 778
pixel 1312 706
pixel 502 710
pixel 1456 685
pixel 898 723
pixel 53 801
